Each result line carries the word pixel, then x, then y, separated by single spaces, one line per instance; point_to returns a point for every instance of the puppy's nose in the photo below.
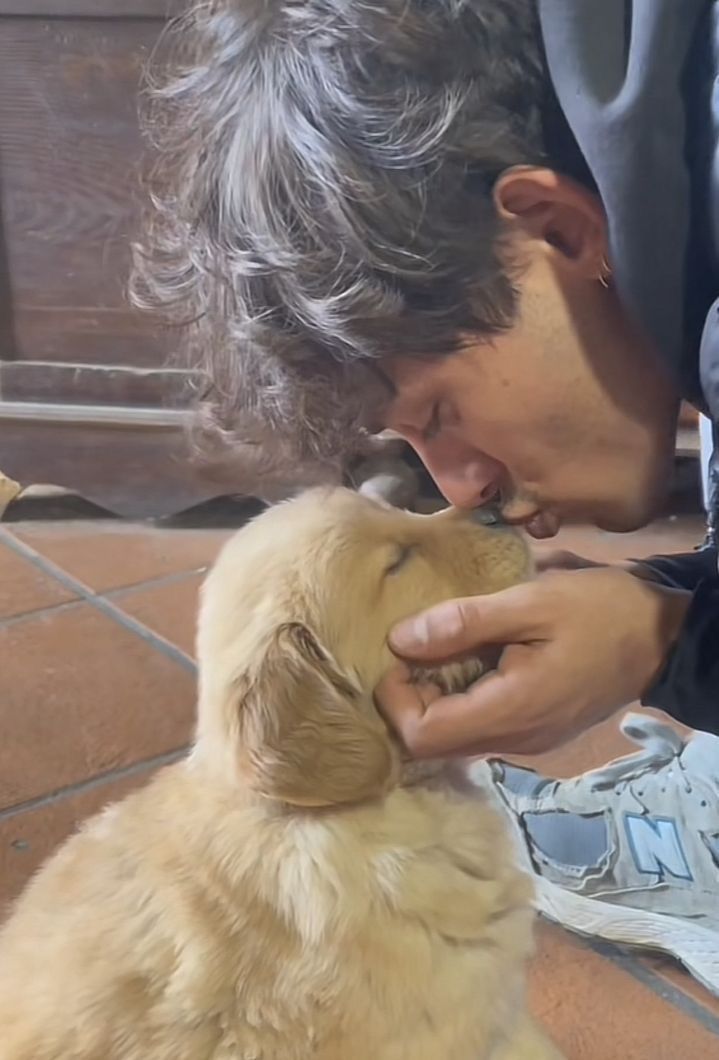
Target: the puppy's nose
pixel 488 515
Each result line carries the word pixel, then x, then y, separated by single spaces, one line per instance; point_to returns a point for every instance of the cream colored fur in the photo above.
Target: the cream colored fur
pixel 286 893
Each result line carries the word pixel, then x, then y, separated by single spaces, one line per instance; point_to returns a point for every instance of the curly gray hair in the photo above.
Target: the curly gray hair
pixel 323 198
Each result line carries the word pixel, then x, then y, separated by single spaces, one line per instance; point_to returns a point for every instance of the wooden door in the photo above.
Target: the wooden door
pixel 87 400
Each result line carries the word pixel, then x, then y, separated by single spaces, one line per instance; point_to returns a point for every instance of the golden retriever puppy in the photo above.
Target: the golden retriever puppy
pixel 288 892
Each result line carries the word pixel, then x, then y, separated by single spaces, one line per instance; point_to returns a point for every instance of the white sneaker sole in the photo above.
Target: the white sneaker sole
pixel 695 946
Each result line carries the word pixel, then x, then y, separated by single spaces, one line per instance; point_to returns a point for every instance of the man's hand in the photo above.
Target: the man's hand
pixel 579 645
pixel 560 559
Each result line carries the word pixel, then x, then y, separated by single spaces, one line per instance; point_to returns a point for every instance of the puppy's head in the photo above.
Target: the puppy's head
pixel 293 636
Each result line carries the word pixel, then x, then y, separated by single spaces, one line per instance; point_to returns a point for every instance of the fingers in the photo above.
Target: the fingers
pixel 459 626
pixel 399 692
pixel 560 559
pixel 467 722
pixel 494 715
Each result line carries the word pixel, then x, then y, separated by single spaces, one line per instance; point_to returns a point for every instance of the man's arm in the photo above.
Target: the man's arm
pixel 688 686
pixel 685 570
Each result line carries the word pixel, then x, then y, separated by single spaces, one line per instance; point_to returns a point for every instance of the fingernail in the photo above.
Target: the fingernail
pixel 414 633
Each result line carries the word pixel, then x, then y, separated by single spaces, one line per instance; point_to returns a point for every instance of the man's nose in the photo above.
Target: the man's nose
pixel 465 480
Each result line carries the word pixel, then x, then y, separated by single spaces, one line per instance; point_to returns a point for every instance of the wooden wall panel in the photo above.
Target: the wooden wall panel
pixel 92 384
pixel 70 153
pixel 88 398
pixel 135 471
pixel 89 8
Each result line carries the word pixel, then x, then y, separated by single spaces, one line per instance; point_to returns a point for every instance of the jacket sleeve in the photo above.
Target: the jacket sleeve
pixel 688 686
pixel 685 570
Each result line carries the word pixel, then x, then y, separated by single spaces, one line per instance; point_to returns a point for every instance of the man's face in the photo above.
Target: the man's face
pixel 566 417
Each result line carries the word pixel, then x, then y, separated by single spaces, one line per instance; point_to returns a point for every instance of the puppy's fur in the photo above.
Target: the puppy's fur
pixel 286 893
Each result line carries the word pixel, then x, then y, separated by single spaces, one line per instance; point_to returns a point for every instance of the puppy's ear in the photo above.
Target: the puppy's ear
pixel 309 736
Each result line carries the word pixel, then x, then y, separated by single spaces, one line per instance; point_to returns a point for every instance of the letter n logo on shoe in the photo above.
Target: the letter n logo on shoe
pixel 656 847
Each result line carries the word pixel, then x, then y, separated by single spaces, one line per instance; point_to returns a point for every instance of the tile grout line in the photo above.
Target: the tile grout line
pixel 106 607
pixel 668 992
pixel 111 594
pixel 39 612
pixel 157 583
pixel 628 962
pixel 98 781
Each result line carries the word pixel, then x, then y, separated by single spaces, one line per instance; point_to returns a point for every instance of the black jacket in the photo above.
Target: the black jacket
pixel 636 82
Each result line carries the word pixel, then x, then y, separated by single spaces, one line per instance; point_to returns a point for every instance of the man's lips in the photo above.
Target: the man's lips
pixel 542 525
pixel 538 524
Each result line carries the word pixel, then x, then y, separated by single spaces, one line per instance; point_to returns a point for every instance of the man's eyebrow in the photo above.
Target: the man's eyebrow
pixel 415 397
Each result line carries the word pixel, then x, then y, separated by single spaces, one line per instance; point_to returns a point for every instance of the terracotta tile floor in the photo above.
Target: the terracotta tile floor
pixel 96 691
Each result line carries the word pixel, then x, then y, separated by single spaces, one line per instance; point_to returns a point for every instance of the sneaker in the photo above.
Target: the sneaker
pixel 629 852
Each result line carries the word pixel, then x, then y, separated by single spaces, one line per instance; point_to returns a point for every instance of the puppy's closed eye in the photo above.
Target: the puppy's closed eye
pixel 399 559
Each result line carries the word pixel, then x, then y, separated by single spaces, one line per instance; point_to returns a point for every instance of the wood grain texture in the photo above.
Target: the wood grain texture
pixel 89 8
pixel 70 199
pixel 7 326
pixel 136 473
pixel 94 384
pixel 70 155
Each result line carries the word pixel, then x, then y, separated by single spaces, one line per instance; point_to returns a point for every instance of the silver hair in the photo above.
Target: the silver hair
pixel 323 199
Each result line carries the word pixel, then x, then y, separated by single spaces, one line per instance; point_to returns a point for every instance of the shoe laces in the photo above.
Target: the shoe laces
pixel 657 763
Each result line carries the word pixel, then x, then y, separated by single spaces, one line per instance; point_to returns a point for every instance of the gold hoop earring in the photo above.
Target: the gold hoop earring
pixel 606 273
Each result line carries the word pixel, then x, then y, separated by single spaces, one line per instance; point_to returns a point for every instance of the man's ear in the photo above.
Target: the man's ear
pixel 557 210
pixel 309 736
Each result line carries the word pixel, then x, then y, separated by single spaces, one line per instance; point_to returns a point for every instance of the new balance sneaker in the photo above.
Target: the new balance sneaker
pixel 629 852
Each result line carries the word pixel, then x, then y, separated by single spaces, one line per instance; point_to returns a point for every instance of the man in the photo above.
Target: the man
pixel 492 226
